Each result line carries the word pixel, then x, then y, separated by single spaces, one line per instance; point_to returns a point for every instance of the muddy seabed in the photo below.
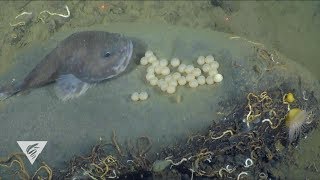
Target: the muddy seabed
pixel 194 128
pixel 160 127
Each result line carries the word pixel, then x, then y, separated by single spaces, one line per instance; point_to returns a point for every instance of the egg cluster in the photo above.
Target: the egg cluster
pixel 139 96
pixel 168 75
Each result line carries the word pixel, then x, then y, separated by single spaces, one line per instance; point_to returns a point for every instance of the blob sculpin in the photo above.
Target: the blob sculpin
pixel 82 59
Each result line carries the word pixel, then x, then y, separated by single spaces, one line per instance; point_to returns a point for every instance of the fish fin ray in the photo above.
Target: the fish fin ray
pixel 68 87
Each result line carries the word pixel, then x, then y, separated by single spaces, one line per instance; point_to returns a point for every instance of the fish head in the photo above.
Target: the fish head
pixel 109 57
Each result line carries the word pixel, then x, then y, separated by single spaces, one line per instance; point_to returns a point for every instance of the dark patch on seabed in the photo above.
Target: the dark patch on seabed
pixel 249 142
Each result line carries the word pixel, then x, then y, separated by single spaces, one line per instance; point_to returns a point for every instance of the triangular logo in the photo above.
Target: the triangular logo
pixel 32 149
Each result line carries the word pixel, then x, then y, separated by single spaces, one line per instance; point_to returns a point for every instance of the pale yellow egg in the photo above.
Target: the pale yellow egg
pixel 214 65
pixel 152 59
pixel 190 77
pixel 209 80
pixel 150 69
pixel 212 72
pixel 173 82
pixel 158 69
pixel 201 80
pixel 165 71
pixel 189 69
pixel 149 76
pixel 164 87
pixel 171 89
pixel 153 81
pixel 193 83
pixel 182 81
pixel 209 59
pixel 143 95
pixel 135 96
pixel 144 61
pixel 161 82
pixel 176 75
pixel 201 60
pixel 196 72
pixel 182 68
pixel 163 62
pixel 218 78
pixel 175 62
pixel 155 63
pixel 148 53
pixel 206 68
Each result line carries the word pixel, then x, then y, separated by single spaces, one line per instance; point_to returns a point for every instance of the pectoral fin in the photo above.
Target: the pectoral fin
pixel 68 87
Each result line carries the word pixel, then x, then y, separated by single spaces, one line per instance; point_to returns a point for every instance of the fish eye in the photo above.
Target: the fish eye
pixel 106 54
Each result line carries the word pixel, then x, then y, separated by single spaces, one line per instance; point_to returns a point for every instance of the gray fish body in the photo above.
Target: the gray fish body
pixel 81 59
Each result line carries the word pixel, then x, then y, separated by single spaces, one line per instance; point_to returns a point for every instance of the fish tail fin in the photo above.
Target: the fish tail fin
pixel 9 90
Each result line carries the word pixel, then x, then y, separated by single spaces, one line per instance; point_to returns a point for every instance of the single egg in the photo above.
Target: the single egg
pixel 171 89
pixel 163 62
pixel 165 71
pixel 149 76
pixel 196 72
pixel 150 69
pixel 201 80
pixel 209 59
pixel 201 60
pixel 218 78
pixel 161 82
pixel 143 95
pixel 152 59
pixel 158 69
pixel 144 61
pixel 213 72
pixel 173 82
pixel 148 53
pixel 164 87
pixel 182 81
pixel 153 81
pixel 182 68
pixel 190 77
pixel 189 69
pixel 193 83
pixel 176 75
pixel 135 96
pixel 175 62
pixel 209 80
pixel 206 68
pixel 214 65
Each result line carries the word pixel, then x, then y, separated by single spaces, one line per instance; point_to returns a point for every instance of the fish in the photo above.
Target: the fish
pixel 78 62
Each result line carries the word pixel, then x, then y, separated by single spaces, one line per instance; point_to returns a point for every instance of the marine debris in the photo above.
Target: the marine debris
pixel 14 167
pixel 54 14
pixel 20 23
pixel 40 16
